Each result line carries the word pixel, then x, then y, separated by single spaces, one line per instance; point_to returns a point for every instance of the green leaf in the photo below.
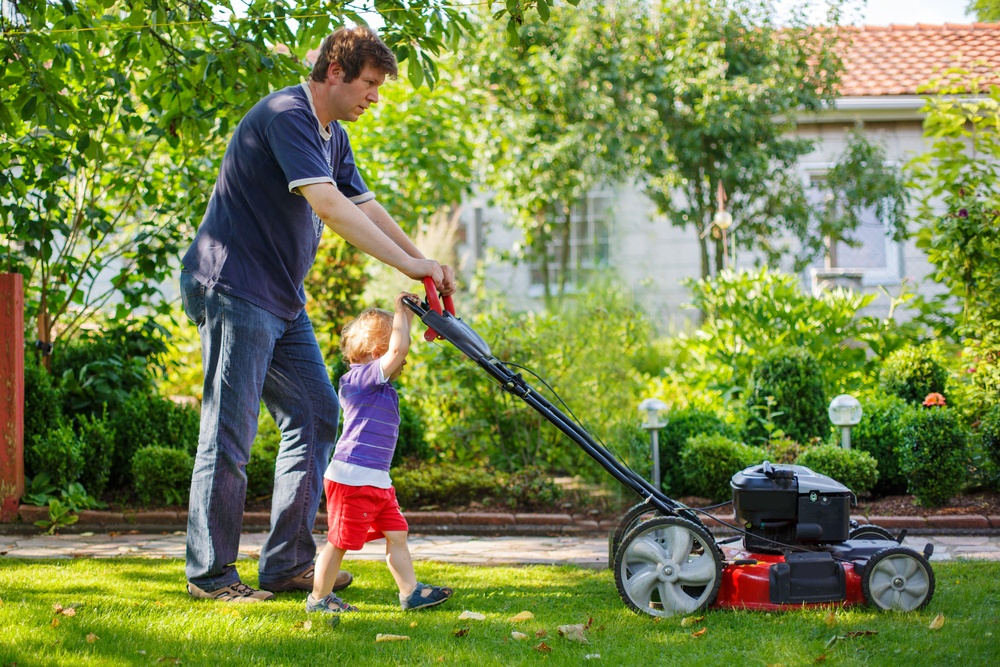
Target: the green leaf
pixel 415 72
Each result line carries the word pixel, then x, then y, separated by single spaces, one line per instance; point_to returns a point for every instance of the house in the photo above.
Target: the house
pixel 884 68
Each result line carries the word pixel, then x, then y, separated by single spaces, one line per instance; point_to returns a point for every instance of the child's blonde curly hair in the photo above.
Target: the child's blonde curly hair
pixel 366 336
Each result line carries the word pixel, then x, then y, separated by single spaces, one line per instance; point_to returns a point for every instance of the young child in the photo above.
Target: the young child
pixel 361 503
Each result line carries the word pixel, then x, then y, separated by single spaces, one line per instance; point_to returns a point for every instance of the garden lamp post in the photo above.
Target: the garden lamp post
pixel 651 408
pixel 845 412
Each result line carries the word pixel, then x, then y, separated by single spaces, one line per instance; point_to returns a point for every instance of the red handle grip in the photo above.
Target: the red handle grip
pixel 435 304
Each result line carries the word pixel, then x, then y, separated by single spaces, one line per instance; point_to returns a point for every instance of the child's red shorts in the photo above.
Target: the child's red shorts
pixel 359 514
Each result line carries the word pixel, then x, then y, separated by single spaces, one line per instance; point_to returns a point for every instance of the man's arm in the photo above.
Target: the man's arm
pixel 377 214
pixel 348 221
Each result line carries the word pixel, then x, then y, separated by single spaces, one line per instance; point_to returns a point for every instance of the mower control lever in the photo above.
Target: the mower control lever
pixel 435 304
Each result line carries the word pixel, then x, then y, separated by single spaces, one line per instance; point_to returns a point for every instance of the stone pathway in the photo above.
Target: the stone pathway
pixel 466 549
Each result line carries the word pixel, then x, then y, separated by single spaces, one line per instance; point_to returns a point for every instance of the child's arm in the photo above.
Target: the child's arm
pixel 399 340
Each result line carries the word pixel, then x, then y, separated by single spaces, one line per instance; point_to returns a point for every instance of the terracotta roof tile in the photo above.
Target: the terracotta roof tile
pixel 898 59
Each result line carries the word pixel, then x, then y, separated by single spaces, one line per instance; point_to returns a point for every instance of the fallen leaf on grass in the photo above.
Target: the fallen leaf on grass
pixel 860 633
pixel 523 616
pixel 699 633
pixel 573 633
pixel 592 656
pixel 539 634
pixel 305 626
pixel 391 638
pixel 691 620
pixel 937 623
pixel 543 648
pixel 519 636
pixel 413 624
pixel 831 619
pixel 471 615
pixel 333 620
pixel 91 638
pixel 820 658
pixel 460 632
pixel 55 622
pixel 65 611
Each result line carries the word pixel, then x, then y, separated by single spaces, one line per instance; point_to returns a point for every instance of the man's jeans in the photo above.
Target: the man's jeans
pixel 249 354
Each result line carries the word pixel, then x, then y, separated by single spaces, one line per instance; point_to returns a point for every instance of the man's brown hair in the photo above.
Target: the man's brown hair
pixel 352 49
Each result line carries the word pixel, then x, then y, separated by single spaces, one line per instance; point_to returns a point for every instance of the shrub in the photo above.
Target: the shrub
pixel 470 420
pixel 411 443
pixel 933 454
pixel 794 380
pixel 912 372
pixel 57 452
pixel 42 400
pixel 162 475
pixel 878 434
pixel 104 367
pixel 97 439
pixel 855 469
pixel 783 450
pixel 680 426
pixel 708 463
pixel 443 484
pixel 263 453
pixel 149 420
pixel 531 488
pixel 989 430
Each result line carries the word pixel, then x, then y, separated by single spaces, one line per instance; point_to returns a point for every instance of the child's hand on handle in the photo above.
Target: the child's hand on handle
pixel 401 308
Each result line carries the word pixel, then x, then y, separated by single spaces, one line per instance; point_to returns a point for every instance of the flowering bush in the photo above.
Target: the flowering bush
pixel 933 399
pixel 933 453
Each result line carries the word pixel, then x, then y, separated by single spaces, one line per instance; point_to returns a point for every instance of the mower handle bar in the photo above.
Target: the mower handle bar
pixel 435 304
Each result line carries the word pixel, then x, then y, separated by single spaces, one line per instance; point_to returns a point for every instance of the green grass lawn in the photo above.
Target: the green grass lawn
pixel 135 612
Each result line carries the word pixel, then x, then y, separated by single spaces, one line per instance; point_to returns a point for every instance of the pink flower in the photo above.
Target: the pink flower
pixel 933 398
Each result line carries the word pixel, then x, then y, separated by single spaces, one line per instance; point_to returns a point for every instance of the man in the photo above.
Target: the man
pixel 287 171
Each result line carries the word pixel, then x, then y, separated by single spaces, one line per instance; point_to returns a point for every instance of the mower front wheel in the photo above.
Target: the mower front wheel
pixel 897 579
pixel 668 566
pixel 635 515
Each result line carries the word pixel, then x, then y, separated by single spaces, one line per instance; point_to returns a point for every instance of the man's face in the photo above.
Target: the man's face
pixel 350 100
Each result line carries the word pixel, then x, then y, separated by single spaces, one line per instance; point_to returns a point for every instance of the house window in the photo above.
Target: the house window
pixel 588 250
pixel 873 256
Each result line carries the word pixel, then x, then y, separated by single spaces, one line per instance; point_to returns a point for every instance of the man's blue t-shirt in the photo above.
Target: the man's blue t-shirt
pixel 259 237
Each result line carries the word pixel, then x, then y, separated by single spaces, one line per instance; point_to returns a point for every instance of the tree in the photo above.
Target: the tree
pixel 985 10
pixel 552 123
pixel 959 207
pixel 723 83
pixel 115 115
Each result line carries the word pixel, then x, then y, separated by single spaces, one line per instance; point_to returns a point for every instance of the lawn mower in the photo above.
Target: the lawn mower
pixel 799 545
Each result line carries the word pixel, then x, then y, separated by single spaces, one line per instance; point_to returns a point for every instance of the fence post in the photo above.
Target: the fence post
pixel 11 394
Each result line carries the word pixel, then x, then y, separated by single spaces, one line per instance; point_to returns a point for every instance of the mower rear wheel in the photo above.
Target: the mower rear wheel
pixel 668 566
pixel 897 579
pixel 871 532
pixel 635 515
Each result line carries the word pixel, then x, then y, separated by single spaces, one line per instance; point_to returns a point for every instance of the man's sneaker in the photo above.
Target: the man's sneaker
pixel 304 582
pixel 238 592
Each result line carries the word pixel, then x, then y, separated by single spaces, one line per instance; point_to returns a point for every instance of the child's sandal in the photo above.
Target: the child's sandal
pixel 331 604
pixel 425 596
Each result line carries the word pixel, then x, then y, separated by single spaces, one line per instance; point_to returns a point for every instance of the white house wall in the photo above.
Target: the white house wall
pixel 653 258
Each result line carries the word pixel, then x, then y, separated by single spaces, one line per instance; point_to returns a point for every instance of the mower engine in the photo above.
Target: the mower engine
pixel 790 506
